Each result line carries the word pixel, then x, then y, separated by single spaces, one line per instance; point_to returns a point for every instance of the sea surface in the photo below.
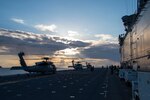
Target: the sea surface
pixel 7 71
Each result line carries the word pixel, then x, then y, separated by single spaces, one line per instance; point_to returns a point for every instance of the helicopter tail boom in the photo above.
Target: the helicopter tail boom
pixel 22 61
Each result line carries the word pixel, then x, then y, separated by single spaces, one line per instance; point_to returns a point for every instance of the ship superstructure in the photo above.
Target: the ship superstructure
pixel 135 51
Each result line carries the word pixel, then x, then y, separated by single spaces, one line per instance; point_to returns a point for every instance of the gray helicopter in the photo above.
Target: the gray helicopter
pixel 43 67
pixel 77 65
pixel 89 66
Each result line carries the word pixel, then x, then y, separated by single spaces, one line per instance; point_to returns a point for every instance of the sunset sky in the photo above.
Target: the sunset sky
pixel 62 29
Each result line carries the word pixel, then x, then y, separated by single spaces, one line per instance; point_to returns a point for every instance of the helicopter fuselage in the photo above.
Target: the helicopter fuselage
pixel 42 67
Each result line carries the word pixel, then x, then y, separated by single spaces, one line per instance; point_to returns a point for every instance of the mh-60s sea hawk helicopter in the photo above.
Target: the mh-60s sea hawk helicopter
pixel 79 66
pixel 39 67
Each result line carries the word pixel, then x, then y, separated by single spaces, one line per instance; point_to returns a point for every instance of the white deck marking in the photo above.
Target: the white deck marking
pixel 64 86
pixel 85 85
pixel 72 96
pixel 18 95
pixel 101 93
pixel 27 86
pixel 105 94
pixel 80 92
pixel 105 87
pixel 105 91
pixel 71 83
pixel 50 84
pixel 9 90
pixel 38 88
pixel 77 80
pixel 53 92
pixel 81 89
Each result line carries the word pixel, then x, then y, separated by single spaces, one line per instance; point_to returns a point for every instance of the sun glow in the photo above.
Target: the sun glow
pixel 68 52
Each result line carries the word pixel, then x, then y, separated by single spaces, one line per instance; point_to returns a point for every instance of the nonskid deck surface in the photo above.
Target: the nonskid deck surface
pixel 67 85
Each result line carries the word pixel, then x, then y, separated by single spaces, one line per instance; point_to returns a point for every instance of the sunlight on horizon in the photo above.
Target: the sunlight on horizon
pixel 61 62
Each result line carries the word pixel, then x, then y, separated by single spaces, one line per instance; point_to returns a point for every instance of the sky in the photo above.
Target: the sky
pixel 64 29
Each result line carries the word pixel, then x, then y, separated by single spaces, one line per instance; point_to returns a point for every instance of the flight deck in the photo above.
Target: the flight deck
pixel 66 85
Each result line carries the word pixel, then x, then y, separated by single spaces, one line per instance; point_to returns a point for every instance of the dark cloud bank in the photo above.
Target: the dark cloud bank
pixel 105 51
pixel 15 41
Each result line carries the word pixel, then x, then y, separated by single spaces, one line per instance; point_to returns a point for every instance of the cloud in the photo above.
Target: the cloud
pixel 13 42
pixel 104 51
pixel 33 43
pixel 17 20
pixel 101 62
pixel 3 49
pixel 68 52
pixel 50 28
pixel 49 44
pixel 106 38
pixel 72 33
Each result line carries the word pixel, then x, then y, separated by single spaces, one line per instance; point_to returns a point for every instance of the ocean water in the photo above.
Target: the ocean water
pixel 7 71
